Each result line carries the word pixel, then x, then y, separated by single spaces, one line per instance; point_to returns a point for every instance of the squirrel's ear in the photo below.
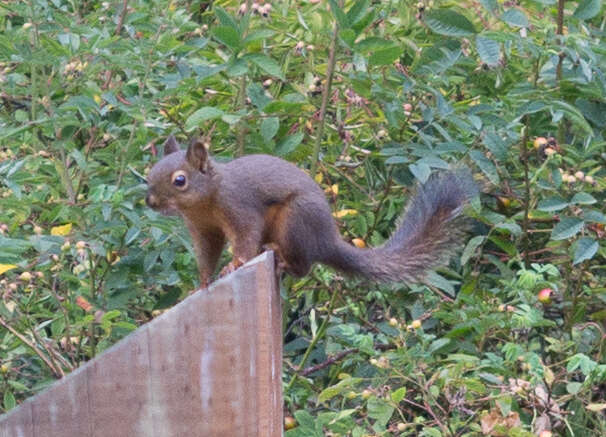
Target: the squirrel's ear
pixel 197 155
pixel 171 145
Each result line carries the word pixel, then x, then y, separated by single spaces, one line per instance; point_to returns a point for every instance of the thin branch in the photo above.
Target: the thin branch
pixel 325 97
pixel 331 360
pixel 58 373
pixel 525 223
pixel 121 19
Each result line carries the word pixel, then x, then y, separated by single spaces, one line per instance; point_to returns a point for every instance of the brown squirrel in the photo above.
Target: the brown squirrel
pixel 260 200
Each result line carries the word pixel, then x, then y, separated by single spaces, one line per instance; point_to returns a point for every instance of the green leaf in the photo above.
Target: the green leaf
pixel 334 390
pixel 574 387
pixel 372 44
pixel 591 215
pixel 438 344
pixel 305 419
pixel 131 235
pixel 398 395
pixel 284 107
pixel 258 35
pixel 228 36
pixel 471 247
pixel 385 56
pixel 339 14
pixel 496 145
pixel 512 228
pixel 448 22
pixel 581 361
pixel 398 159
pixel 420 171
pixel 555 203
pixel 440 282
pixel 269 128
pixel 9 400
pixel 489 50
pixel 573 114
pixel 490 5
pixel 585 249
pixel 568 227
pixel 266 64
pixel 348 36
pixel 583 198
pixel 258 97
pixel 588 9
pixel 379 410
pixel 486 165
pixel 357 11
pixel 201 115
pixel 289 144
pixel 515 18
pixel 168 299
pixel 225 19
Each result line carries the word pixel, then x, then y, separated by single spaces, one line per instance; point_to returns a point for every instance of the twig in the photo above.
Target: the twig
pixel 524 158
pixel 121 19
pixel 325 97
pixel 331 360
pixel 109 73
pixel 561 56
pixel 58 373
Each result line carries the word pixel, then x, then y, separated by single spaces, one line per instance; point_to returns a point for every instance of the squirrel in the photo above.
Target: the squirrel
pixel 259 201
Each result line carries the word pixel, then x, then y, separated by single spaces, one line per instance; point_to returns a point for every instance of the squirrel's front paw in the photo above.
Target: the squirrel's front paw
pixel 231 267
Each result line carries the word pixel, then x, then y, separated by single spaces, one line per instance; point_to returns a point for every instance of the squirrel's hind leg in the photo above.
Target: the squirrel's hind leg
pixel 301 229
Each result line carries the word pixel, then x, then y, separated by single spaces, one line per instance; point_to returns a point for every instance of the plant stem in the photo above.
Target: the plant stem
pixel 314 341
pixel 561 55
pixel 325 97
pixel 525 223
pixel 241 135
pixel 57 372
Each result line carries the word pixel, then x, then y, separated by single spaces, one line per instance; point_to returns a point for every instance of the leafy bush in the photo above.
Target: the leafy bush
pixel 369 97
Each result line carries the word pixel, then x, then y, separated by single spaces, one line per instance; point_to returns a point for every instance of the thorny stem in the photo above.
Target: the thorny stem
pixel 325 97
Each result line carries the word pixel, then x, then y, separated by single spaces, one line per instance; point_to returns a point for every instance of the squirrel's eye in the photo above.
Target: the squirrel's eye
pixel 179 179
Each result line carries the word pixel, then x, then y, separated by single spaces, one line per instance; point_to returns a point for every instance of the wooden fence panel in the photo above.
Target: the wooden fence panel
pixel 211 366
pixel 63 409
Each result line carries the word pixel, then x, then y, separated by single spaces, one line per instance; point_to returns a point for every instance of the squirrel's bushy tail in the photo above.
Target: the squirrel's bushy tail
pixel 430 231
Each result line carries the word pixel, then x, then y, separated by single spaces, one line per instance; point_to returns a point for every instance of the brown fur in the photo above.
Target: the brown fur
pixel 260 200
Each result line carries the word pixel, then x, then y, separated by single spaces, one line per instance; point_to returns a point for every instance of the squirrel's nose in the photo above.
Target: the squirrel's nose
pixel 151 200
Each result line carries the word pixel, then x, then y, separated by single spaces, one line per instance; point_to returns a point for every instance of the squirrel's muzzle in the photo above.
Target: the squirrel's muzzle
pixel 151 201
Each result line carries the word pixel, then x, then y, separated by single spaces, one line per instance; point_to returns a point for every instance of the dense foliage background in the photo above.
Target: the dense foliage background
pixel 369 97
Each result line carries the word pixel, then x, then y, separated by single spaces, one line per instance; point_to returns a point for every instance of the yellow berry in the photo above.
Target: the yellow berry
pixel 539 141
pixel 289 423
pixel 25 276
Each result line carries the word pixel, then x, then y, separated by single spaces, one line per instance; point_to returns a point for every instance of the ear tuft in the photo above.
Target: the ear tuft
pixel 171 145
pixel 197 155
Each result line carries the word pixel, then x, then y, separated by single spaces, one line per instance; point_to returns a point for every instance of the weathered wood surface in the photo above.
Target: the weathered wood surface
pixel 211 366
